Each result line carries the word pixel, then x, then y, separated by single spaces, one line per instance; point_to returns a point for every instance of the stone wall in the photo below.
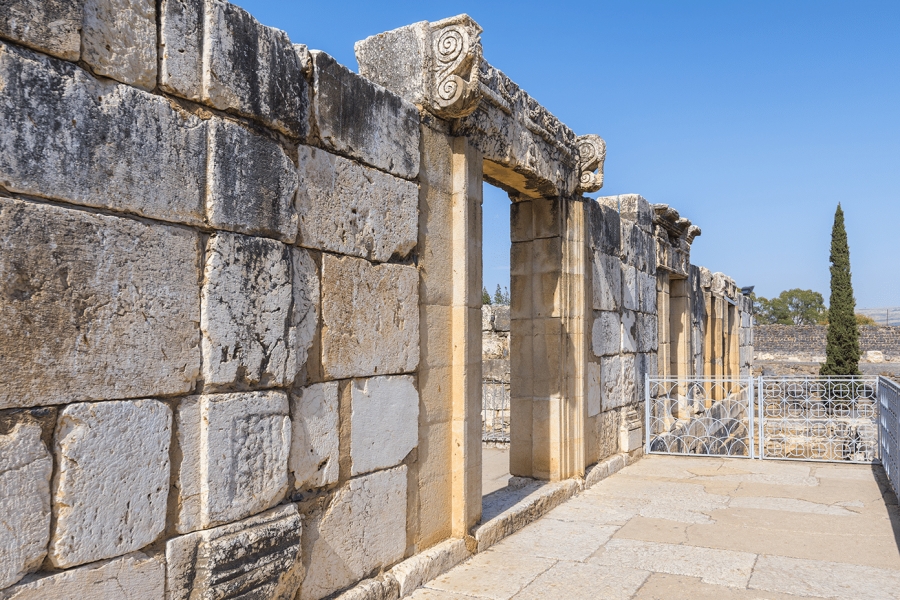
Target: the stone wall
pixel 495 373
pixel 807 342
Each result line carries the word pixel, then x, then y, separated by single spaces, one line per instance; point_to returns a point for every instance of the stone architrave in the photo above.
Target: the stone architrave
pixel 109 495
pixel 315 435
pixel 255 558
pixel 118 40
pixel 119 296
pixel 384 422
pixel 594 389
pixel 370 315
pixel 134 576
pixel 361 531
pixel 49 26
pixel 234 450
pixel 25 470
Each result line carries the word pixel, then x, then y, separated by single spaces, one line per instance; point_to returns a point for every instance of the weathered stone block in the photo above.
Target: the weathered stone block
pixel 629 380
pixel 501 318
pixel 604 229
pixel 647 292
pixel 94 307
pixel 638 248
pixel 630 332
pixel 361 119
pixel 109 495
pixel 65 135
pixel 594 389
pixel 181 47
pixel 607 282
pixel 251 183
pixel 611 382
pixel 234 450
pixel 343 547
pixel 608 433
pixel 251 333
pixel 25 470
pixel 255 558
pixel 118 40
pixel 647 332
pixel 384 422
pixel 636 209
pixel 315 436
pixel 134 576
pixel 630 289
pixel 49 26
pixel 606 334
pixel 371 318
pixel 348 208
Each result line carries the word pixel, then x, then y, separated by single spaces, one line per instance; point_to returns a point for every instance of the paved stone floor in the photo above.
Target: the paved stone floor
pixel 674 528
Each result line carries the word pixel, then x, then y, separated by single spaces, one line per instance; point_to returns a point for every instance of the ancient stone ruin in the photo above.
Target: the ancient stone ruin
pixel 240 290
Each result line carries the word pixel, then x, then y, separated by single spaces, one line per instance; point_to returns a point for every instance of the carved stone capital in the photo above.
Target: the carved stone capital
pixel 591 154
pixel 454 90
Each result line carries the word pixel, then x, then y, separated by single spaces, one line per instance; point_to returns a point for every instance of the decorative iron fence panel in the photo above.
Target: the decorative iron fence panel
pixel 707 417
pixel 818 418
pixel 494 411
pixel 889 429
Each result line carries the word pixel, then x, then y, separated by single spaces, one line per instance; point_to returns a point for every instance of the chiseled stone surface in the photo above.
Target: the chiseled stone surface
pixel 109 495
pixel 611 383
pixel 25 470
pixel 370 315
pixel 234 450
pixel 119 296
pixel 181 47
pixel 594 389
pixel 607 282
pixel 251 183
pixel 68 136
pixel 255 558
pixel 134 576
pixel 363 529
pixel 348 208
pixel 315 435
pixel 118 40
pixel 384 422
pixel 50 26
pixel 606 334
pixel 362 119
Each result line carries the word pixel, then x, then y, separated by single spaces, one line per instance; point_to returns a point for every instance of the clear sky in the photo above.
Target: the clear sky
pixel 753 119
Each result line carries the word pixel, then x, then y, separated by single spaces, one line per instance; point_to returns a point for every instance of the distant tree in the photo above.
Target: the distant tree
pixel 865 320
pixel 842 341
pixel 501 296
pixel 790 307
pixel 485 297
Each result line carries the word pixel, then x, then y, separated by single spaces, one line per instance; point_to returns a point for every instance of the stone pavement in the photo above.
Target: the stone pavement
pixel 700 528
pixel 494 469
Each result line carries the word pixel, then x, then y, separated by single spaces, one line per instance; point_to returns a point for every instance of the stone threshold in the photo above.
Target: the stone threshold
pixel 540 498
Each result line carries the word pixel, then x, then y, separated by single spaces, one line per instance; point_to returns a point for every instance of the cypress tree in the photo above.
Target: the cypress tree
pixel 842 344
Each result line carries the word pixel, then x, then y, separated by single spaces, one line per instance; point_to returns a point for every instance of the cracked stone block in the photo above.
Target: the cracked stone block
pixel 608 433
pixel 594 389
pixel 134 576
pixel 255 558
pixel 348 208
pixel 118 40
pixel 606 334
pixel 370 316
pixel 629 382
pixel 119 297
pixel 604 229
pixel 611 382
pixel 109 495
pixel 363 120
pixel 607 282
pixel 384 422
pixel 181 47
pixel 234 451
pixel 251 183
pixel 636 209
pixel 646 292
pixel 315 436
pixel 629 331
pixel 630 290
pixel 251 333
pixel 647 332
pixel 67 136
pixel 49 26
pixel 342 548
pixel 25 470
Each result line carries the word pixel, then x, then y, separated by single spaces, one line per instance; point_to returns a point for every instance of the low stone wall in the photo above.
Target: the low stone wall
pixel 807 342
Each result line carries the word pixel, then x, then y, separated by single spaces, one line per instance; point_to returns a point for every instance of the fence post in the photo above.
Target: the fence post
pixel 750 407
pixel 760 422
pixel 646 413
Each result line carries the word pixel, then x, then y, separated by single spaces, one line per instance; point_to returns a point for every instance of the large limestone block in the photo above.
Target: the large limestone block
pixel 630 289
pixel 118 40
pixel 604 228
pixel 647 292
pixel 251 183
pixel 636 209
pixel 611 382
pixel 49 26
pixel 134 576
pixel 348 208
pixel 594 389
pixel 109 495
pixel 25 470
pixel 66 135
pixel 607 282
pixel 370 315
pixel 315 436
pixel 629 331
pixel 234 450
pixel 647 332
pixel 362 119
pixel 255 558
pixel 252 333
pixel 606 334
pixel 361 531
pixel 384 422
pixel 94 307
pixel 629 379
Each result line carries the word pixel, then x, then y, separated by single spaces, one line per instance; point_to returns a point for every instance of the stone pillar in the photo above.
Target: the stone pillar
pixel 679 339
pixel 662 307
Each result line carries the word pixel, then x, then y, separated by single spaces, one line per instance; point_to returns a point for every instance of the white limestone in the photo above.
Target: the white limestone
pixel 109 495
pixel 611 382
pixel 606 334
pixel 119 40
pixel 607 282
pixel 315 436
pixel 50 26
pixel 630 289
pixel 594 389
pixel 384 422
pixel 25 469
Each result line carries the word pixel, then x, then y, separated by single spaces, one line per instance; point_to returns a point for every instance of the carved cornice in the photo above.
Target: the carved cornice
pixel 456 58
pixel 591 154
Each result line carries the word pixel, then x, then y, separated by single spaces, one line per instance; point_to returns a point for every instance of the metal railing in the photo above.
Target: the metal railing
pixel 889 429
pixel 494 411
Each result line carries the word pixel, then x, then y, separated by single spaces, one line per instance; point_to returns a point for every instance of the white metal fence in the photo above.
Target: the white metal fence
pixel 889 429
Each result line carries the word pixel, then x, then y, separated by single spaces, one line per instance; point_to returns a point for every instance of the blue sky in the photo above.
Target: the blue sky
pixel 753 119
